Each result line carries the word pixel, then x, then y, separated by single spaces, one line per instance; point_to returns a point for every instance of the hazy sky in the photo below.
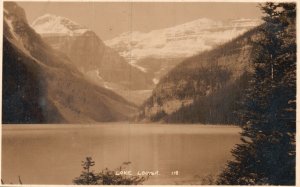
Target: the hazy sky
pixel 109 19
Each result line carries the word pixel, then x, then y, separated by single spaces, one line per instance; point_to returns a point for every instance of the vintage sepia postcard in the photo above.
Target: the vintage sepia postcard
pixel 148 93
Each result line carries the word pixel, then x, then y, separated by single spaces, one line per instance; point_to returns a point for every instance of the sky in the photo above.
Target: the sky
pixel 109 19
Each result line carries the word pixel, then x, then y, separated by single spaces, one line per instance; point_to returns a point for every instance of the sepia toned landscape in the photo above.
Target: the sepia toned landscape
pixel 149 93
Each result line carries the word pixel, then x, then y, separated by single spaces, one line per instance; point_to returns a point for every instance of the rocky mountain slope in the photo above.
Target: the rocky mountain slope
pixel 205 88
pixel 90 55
pixel 167 47
pixel 40 84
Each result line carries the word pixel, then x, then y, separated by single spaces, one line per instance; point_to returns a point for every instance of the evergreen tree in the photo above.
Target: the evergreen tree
pixel 87 176
pixel 267 152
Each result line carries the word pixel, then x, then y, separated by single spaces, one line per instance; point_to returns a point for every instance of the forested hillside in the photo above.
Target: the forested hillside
pixel 205 88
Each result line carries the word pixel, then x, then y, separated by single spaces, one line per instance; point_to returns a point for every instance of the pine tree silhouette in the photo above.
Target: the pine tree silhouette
pixel 267 154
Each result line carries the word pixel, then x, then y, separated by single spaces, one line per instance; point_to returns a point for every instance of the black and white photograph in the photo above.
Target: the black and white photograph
pixel 149 93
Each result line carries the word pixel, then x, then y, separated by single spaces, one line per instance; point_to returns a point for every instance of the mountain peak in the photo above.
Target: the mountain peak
pixel 181 40
pixel 57 25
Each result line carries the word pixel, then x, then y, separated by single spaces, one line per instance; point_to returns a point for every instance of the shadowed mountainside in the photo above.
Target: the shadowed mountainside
pixel 205 88
pixel 41 86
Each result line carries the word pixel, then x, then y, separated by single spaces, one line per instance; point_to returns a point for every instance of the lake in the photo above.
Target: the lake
pixel 52 154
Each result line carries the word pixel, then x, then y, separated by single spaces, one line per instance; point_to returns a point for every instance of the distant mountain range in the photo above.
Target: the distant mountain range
pixel 89 54
pixel 158 51
pixel 41 84
pixel 57 71
pixel 138 60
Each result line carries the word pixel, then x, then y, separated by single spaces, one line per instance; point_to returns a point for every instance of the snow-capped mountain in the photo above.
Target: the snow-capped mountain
pixel 50 24
pixel 101 64
pixel 40 84
pixel 179 41
pixel 135 60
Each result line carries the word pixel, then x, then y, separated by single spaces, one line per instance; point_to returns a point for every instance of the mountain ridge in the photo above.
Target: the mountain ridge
pixel 98 62
pixel 220 32
pixel 205 88
pixel 41 86
pixel 57 25
pixel 167 47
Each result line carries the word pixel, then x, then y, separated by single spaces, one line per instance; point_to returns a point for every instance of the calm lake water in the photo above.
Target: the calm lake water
pixel 52 154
